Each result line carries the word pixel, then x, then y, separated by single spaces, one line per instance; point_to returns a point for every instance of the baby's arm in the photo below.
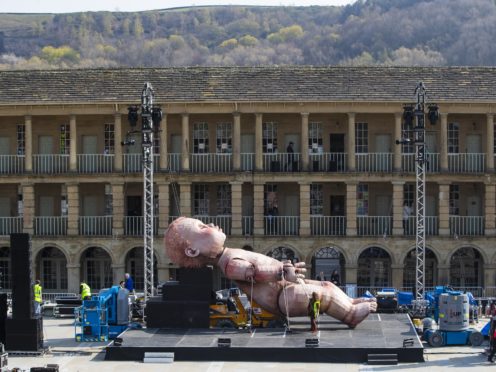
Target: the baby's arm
pixel 241 269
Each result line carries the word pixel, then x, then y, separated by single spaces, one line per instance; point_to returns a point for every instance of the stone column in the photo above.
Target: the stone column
pixel 73 208
pixel 118 272
pixel 28 199
pixel 73 144
pixel 164 160
pixel 490 143
pixel 28 145
pixel 444 142
pixel 443 276
pixel 489 275
pixel 444 228
pixel 351 208
pixel 398 207
pixel 73 277
pixel 117 142
pixel 351 141
pixel 304 141
pixel 236 207
pixel 490 209
pixel 118 203
pixel 163 205
pixel 185 202
pixel 397 275
pixel 185 146
pixel 258 142
pixel 258 209
pixel 304 209
pixel 351 274
pixel 398 136
pixel 236 153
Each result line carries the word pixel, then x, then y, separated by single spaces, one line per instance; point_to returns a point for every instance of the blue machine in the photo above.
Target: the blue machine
pixel 103 317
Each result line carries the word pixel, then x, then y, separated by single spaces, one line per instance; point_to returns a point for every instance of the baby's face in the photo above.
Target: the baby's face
pixel 205 240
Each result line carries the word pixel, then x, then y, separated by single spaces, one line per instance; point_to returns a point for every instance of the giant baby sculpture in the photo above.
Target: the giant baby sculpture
pixel 278 287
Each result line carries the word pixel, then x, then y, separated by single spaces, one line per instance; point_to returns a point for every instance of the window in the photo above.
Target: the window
pixel 21 139
pixel 224 200
pixel 224 138
pixel 361 138
pixel 5 268
pixel 200 200
pixel 315 137
pixel 454 200
pixel 53 269
pixel 316 199
pixel 108 201
pixel 97 268
pixel 409 193
pixel 269 139
pixel 65 139
pixel 407 133
pixel 200 138
pixel 453 138
pixel 362 199
pixel 109 139
pixel 271 206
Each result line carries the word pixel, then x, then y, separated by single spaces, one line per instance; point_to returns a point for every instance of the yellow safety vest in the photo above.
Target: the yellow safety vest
pixel 37 293
pixel 86 290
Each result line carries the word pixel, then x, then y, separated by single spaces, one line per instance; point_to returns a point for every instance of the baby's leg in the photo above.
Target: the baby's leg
pixel 334 287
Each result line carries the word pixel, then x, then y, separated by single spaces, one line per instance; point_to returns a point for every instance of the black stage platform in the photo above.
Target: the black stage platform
pixel 391 334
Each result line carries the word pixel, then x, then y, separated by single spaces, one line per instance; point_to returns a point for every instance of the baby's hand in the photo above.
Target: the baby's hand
pixel 294 272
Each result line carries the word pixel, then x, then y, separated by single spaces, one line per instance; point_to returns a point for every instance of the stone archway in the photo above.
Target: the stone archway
pixel 410 267
pixel 283 253
pixel 328 259
pixel 135 266
pixel 466 268
pixel 51 269
pixel 374 268
pixel 96 268
pixel 5 274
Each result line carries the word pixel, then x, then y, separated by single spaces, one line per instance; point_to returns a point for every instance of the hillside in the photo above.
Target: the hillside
pixel 368 32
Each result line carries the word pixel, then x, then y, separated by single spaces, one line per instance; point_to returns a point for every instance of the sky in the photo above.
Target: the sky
pixel 69 6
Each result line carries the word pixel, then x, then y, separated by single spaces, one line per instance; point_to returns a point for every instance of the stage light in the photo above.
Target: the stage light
pixel 408 115
pixel 433 114
pixel 132 115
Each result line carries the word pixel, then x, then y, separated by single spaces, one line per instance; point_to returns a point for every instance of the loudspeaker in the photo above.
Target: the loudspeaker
pixel 173 291
pixel 22 281
pixel 199 277
pixel 24 334
pixel 177 314
pixel 3 316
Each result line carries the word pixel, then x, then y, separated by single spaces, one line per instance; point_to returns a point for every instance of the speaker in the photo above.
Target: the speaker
pixel 22 281
pixel 24 334
pixel 173 291
pixel 3 316
pixel 177 314
pixel 199 277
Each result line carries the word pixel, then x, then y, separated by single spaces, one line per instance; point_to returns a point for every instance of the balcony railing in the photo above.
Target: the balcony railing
pixel 134 225
pixel 328 225
pixel 431 164
pixel 374 225
pixel 95 225
pixel 95 163
pixel 328 162
pixel 50 226
pixel 133 163
pixel 431 226
pixel 50 164
pixel 281 225
pixel 174 162
pixel 466 225
pixel 281 162
pixel 247 161
pixel 205 163
pixel 224 222
pixel 466 163
pixel 10 225
pixel 374 162
pixel 247 225
pixel 11 164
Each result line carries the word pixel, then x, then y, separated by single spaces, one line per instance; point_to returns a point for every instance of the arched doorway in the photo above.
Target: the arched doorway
pixel 374 268
pixel 430 271
pixel 51 269
pixel 5 268
pixel 135 266
pixel 466 268
pixel 96 268
pixel 327 260
pixel 283 254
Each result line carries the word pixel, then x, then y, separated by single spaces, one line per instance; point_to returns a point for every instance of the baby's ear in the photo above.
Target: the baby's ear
pixel 191 252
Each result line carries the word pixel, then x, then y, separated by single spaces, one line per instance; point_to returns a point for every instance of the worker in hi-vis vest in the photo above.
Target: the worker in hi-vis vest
pixel 37 297
pixel 85 291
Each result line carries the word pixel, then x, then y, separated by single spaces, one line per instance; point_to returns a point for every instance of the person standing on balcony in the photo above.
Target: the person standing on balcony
pixel 407 211
pixel 291 163
pixel 37 297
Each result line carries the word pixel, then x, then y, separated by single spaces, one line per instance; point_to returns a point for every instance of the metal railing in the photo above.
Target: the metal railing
pixel 95 163
pixel 133 163
pixel 374 162
pixel 374 225
pixel 11 164
pixel 50 164
pixel 431 165
pixel 281 162
pixel 95 225
pixel 466 163
pixel 224 222
pixel 327 162
pixel 174 162
pixel 11 225
pixel 50 226
pixel 247 225
pixel 205 163
pixel 52 296
pixel 431 226
pixel 133 225
pixel 328 225
pixel 247 161
pixel 282 225
pixel 466 225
